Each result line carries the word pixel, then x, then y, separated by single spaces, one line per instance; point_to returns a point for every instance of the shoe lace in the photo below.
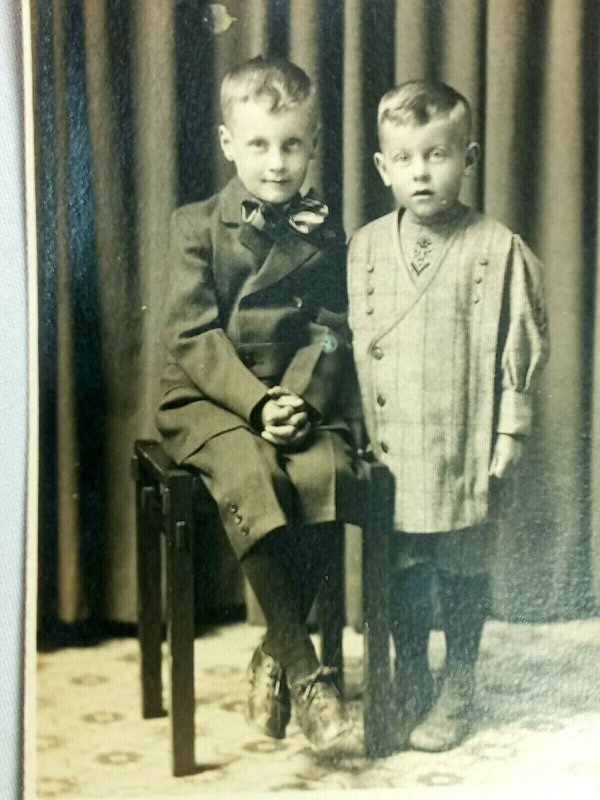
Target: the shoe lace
pixel 270 677
pixel 313 687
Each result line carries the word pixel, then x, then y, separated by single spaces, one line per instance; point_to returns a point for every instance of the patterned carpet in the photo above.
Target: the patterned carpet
pixel 538 724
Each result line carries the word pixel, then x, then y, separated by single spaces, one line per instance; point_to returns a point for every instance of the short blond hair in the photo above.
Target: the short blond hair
pixel 419 101
pixel 279 84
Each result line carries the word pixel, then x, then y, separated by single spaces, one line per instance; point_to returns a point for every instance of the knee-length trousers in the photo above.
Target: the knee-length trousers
pixel 259 488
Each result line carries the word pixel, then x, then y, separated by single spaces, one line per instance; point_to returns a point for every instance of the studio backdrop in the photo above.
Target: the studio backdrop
pixel 127 108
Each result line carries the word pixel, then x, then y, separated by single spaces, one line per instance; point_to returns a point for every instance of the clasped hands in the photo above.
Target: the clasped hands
pixel 285 419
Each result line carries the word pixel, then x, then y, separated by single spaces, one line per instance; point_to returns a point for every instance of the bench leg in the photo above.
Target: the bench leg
pixel 331 609
pixel 180 621
pixel 149 598
pixel 375 586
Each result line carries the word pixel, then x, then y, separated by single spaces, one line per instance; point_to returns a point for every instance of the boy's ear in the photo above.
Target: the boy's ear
pixel 472 155
pixel 379 161
pixel 225 142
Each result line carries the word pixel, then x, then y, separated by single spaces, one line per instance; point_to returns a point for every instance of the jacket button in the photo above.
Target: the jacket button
pixel 476 298
pixel 233 507
pixel 478 278
pixel 381 400
pixel 369 309
pixel 370 268
pixel 238 519
pixel 245 530
pixel 329 343
pixel 384 446
pixel 370 289
pixel 249 360
pixel 298 302
pixel 484 262
pixel 377 353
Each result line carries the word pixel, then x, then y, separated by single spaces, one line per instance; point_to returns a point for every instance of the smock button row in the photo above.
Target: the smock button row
pixel 233 507
pixel 370 268
pixel 381 401
pixel 370 289
pixel 484 262
pixel 238 519
pixel 369 309
pixel 377 353
pixel 245 530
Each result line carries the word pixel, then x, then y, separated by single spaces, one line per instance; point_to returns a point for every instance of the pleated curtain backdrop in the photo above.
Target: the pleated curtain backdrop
pixel 127 108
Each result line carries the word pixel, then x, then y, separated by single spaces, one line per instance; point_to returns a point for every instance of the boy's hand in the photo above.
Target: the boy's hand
pixel 506 456
pixel 285 418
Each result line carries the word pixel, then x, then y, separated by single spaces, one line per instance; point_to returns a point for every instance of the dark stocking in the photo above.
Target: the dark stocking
pixel 465 603
pixel 411 611
pixel 285 570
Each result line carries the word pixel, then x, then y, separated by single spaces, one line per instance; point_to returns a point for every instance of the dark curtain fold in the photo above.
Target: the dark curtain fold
pixel 127 108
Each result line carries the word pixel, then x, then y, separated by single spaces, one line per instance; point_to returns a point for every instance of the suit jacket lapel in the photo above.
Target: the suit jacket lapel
pixel 254 240
pixel 286 255
pixel 232 197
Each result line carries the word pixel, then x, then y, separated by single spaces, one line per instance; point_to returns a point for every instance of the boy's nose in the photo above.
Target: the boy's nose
pixel 276 160
pixel 420 170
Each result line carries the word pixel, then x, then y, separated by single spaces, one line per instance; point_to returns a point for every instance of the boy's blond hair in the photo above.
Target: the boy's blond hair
pixel 279 84
pixel 420 101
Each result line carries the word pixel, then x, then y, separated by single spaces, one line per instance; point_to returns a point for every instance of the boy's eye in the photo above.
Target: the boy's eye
pixel 401 157
pixel 257 144
pixel 438 154
pixel 293 146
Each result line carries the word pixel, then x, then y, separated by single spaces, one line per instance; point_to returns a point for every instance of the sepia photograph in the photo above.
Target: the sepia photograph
pixel 315 376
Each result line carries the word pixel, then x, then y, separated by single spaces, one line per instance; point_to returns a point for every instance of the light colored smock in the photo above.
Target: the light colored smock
pixel 445 363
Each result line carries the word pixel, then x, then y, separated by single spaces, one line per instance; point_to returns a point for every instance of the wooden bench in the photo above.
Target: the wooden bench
pixel 173 501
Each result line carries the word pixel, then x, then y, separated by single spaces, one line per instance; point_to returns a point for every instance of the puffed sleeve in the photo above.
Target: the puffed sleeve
pixel 526 345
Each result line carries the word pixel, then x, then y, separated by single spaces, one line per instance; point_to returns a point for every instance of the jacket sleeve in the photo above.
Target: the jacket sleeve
pixel 321 370
pixel 526 346
pixel 194 335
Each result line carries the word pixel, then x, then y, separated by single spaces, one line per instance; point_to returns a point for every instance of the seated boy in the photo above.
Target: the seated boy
pixel 258 345
pixel 447 314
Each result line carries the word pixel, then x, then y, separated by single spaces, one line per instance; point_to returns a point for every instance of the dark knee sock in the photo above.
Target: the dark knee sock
pixel 411 611
pixel 287 639
pixel 466 605
pixel 312 549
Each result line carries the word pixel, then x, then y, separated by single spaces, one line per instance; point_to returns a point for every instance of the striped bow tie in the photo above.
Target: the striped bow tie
pixel 303 215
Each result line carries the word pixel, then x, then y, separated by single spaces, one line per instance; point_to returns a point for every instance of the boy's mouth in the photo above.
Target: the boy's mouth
pixel 423 193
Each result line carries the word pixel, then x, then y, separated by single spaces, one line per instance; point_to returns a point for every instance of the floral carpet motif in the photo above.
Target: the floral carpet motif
pixel 538 724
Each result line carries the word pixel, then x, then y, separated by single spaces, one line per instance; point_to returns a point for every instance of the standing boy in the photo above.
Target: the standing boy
pixel 258 346
pixel 449 326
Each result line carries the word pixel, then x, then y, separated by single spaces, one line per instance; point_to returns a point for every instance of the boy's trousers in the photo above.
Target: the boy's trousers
pixel 259 488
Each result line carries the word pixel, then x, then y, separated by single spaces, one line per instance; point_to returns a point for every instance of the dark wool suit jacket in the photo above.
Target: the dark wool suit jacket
pixel 246 313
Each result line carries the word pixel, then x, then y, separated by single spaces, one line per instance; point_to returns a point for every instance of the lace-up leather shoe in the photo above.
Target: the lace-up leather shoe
pixel 319 711
pixel 268 702
pixel 451 718
pixel 414 696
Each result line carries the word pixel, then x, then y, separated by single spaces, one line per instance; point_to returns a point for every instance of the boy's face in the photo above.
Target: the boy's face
pixel 271 151
pixel 425 164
